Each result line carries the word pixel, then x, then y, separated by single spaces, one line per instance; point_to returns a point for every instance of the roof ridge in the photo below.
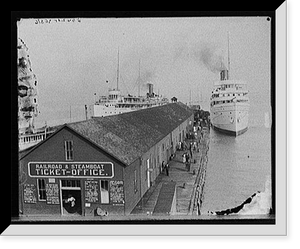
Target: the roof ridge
pixel 127 136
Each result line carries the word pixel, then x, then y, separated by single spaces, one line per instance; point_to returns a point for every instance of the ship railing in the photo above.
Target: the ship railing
pixel 32 138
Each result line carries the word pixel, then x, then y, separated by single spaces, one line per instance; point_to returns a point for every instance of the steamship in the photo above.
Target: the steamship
pixel 116 103
pixel 229 105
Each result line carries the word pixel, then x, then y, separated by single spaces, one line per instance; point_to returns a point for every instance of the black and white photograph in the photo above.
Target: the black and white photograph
pixel 146 120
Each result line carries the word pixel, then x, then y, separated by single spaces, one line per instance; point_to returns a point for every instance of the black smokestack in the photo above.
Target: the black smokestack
pixel 150 90
pixel 224 74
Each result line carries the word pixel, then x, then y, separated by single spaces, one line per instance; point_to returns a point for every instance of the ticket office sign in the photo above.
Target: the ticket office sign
pixel 71 169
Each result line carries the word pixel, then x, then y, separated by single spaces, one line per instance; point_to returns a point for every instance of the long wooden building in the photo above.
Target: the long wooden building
pixel 101 165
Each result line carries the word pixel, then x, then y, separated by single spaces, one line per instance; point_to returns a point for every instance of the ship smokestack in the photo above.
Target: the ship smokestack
pixel 224 74
pixel 150 91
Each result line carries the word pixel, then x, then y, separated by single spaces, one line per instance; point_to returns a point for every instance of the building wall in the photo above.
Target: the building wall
pixel 132 185
pixel 52 150
pixel 126 187
pixel 179 133
pixel 159 153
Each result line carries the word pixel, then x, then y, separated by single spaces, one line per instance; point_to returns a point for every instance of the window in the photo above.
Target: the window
pixel 69 150
pixel 70 183
pixel 104 191
pixel 41 189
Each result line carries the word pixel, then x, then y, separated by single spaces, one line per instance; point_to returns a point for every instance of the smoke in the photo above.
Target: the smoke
pixel 210 56
pixel 147 75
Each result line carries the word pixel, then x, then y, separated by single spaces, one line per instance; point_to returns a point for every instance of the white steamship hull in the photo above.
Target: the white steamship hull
pixel 230 118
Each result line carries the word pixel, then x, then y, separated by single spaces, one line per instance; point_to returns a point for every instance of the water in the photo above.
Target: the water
pixel 237 167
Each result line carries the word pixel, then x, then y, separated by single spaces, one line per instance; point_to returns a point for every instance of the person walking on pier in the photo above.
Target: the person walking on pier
pixel 191 153
pixel 167 169
pixel 183 158
pixel 162 166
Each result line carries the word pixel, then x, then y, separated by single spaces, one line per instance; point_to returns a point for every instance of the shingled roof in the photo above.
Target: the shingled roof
pixel 129 135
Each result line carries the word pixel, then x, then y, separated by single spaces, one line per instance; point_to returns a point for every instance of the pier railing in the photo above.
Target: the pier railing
pixel 198 190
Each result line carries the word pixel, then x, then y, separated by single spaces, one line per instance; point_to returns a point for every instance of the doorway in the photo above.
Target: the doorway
pixel 148 173
pixel 71 203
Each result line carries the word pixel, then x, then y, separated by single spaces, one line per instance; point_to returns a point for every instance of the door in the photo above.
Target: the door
pixel 71 203
pixel 148 173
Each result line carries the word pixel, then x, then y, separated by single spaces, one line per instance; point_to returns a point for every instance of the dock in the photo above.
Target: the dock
pixel 188 185
pixel 178 195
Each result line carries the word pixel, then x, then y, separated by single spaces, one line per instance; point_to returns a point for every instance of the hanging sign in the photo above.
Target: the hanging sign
pixel 72 169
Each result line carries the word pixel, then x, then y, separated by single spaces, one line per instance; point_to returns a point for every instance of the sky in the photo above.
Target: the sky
pixel 180 56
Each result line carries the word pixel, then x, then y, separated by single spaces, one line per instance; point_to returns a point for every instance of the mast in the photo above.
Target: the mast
pixel 118 71
pixel 228 54
pixel 224 73
pixel 139 82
